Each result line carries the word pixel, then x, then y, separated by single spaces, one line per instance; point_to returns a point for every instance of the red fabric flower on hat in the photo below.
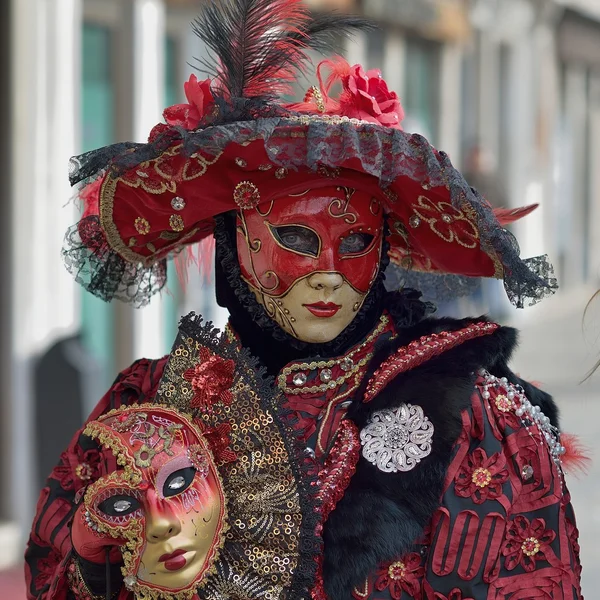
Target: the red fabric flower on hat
pixel 219 441
pixel 211 379
pixel 366 97
pixel 526 543
pixel 200 103
pixel 401 575
pixel 481 477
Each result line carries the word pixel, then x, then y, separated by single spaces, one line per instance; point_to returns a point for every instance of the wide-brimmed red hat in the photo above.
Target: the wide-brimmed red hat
pixel 236 144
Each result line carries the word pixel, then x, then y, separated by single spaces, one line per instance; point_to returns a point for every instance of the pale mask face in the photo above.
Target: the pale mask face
pixel 180 528
pixel 168 501
pixel 311 260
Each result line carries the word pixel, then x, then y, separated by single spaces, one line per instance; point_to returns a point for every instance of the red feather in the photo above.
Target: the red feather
pixel 577 456
pixel 506 216
pixel 90 195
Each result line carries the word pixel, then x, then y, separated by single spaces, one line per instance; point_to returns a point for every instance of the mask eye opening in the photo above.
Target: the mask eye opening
pixel 309 243
pixel 370 241
pixel 178 481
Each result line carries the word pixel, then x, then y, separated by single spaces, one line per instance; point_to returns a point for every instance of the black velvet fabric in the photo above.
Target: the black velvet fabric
pixel 382 516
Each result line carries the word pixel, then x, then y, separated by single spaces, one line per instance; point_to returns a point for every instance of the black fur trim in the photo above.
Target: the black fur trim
pixel 383 515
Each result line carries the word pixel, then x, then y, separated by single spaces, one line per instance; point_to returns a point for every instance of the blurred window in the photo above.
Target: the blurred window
pixel 97 114
pixel 422 87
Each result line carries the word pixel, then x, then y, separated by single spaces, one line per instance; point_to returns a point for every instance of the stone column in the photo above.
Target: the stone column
pixel 43 298
pixel 148 103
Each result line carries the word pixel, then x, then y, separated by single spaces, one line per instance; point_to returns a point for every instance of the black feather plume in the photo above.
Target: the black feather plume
pixel 258 47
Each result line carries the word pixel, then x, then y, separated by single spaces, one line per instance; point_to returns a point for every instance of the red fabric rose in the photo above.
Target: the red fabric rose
pixel 366 97
pixel 526 543
pixel 401 575
pixel 211 379
pixel 200 102
pixel 481 477
pixel 64 472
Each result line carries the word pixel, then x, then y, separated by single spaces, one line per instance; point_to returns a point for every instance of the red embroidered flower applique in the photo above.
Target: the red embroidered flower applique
pixel 401 576
pixel 447 222
pixel 480 477
pixel 526 543
pixel 75 471
pixel 46 567
pixel 219 441
pixel 366 97
pixel 211 379
pixel 64 472
pixel 88 467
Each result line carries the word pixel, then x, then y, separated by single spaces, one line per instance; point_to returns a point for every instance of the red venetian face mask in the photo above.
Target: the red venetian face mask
pixel 329 229
pixel 311 258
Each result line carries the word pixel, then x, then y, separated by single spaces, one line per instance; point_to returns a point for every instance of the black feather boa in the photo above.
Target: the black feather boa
pixel 383 515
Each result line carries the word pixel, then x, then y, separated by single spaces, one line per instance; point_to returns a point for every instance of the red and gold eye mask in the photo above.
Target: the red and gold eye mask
pixel 165 499
pixel 330 229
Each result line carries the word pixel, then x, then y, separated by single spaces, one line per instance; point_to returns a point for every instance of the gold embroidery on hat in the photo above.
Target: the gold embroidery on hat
pixel 176 223
pixel 142 226
pixel 246 194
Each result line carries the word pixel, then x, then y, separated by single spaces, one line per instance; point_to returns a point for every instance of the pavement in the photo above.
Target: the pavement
pixel 557 348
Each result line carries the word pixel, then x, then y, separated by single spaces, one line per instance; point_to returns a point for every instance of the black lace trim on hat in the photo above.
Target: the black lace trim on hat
pixel 105 273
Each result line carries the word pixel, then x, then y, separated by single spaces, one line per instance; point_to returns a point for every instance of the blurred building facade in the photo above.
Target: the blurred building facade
pixel 510 89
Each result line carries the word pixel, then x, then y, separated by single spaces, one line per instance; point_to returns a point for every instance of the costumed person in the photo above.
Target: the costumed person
pixel 401 457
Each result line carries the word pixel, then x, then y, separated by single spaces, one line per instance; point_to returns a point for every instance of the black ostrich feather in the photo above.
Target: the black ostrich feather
pixel 259 47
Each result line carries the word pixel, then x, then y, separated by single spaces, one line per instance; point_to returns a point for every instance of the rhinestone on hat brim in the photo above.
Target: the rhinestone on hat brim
pixel 299 379
pixel 178 203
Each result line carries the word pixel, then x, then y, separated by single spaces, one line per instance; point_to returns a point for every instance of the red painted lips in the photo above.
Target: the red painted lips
pixel 323 309
pixel 174 561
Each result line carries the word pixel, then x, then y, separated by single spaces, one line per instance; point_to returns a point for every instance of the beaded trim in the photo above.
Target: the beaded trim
pixel 330 119
pixel 420 351
pixel 327 364
pixel 529 414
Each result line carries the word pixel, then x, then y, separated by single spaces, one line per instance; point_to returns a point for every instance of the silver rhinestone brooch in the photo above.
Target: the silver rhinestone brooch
pixel 397 440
